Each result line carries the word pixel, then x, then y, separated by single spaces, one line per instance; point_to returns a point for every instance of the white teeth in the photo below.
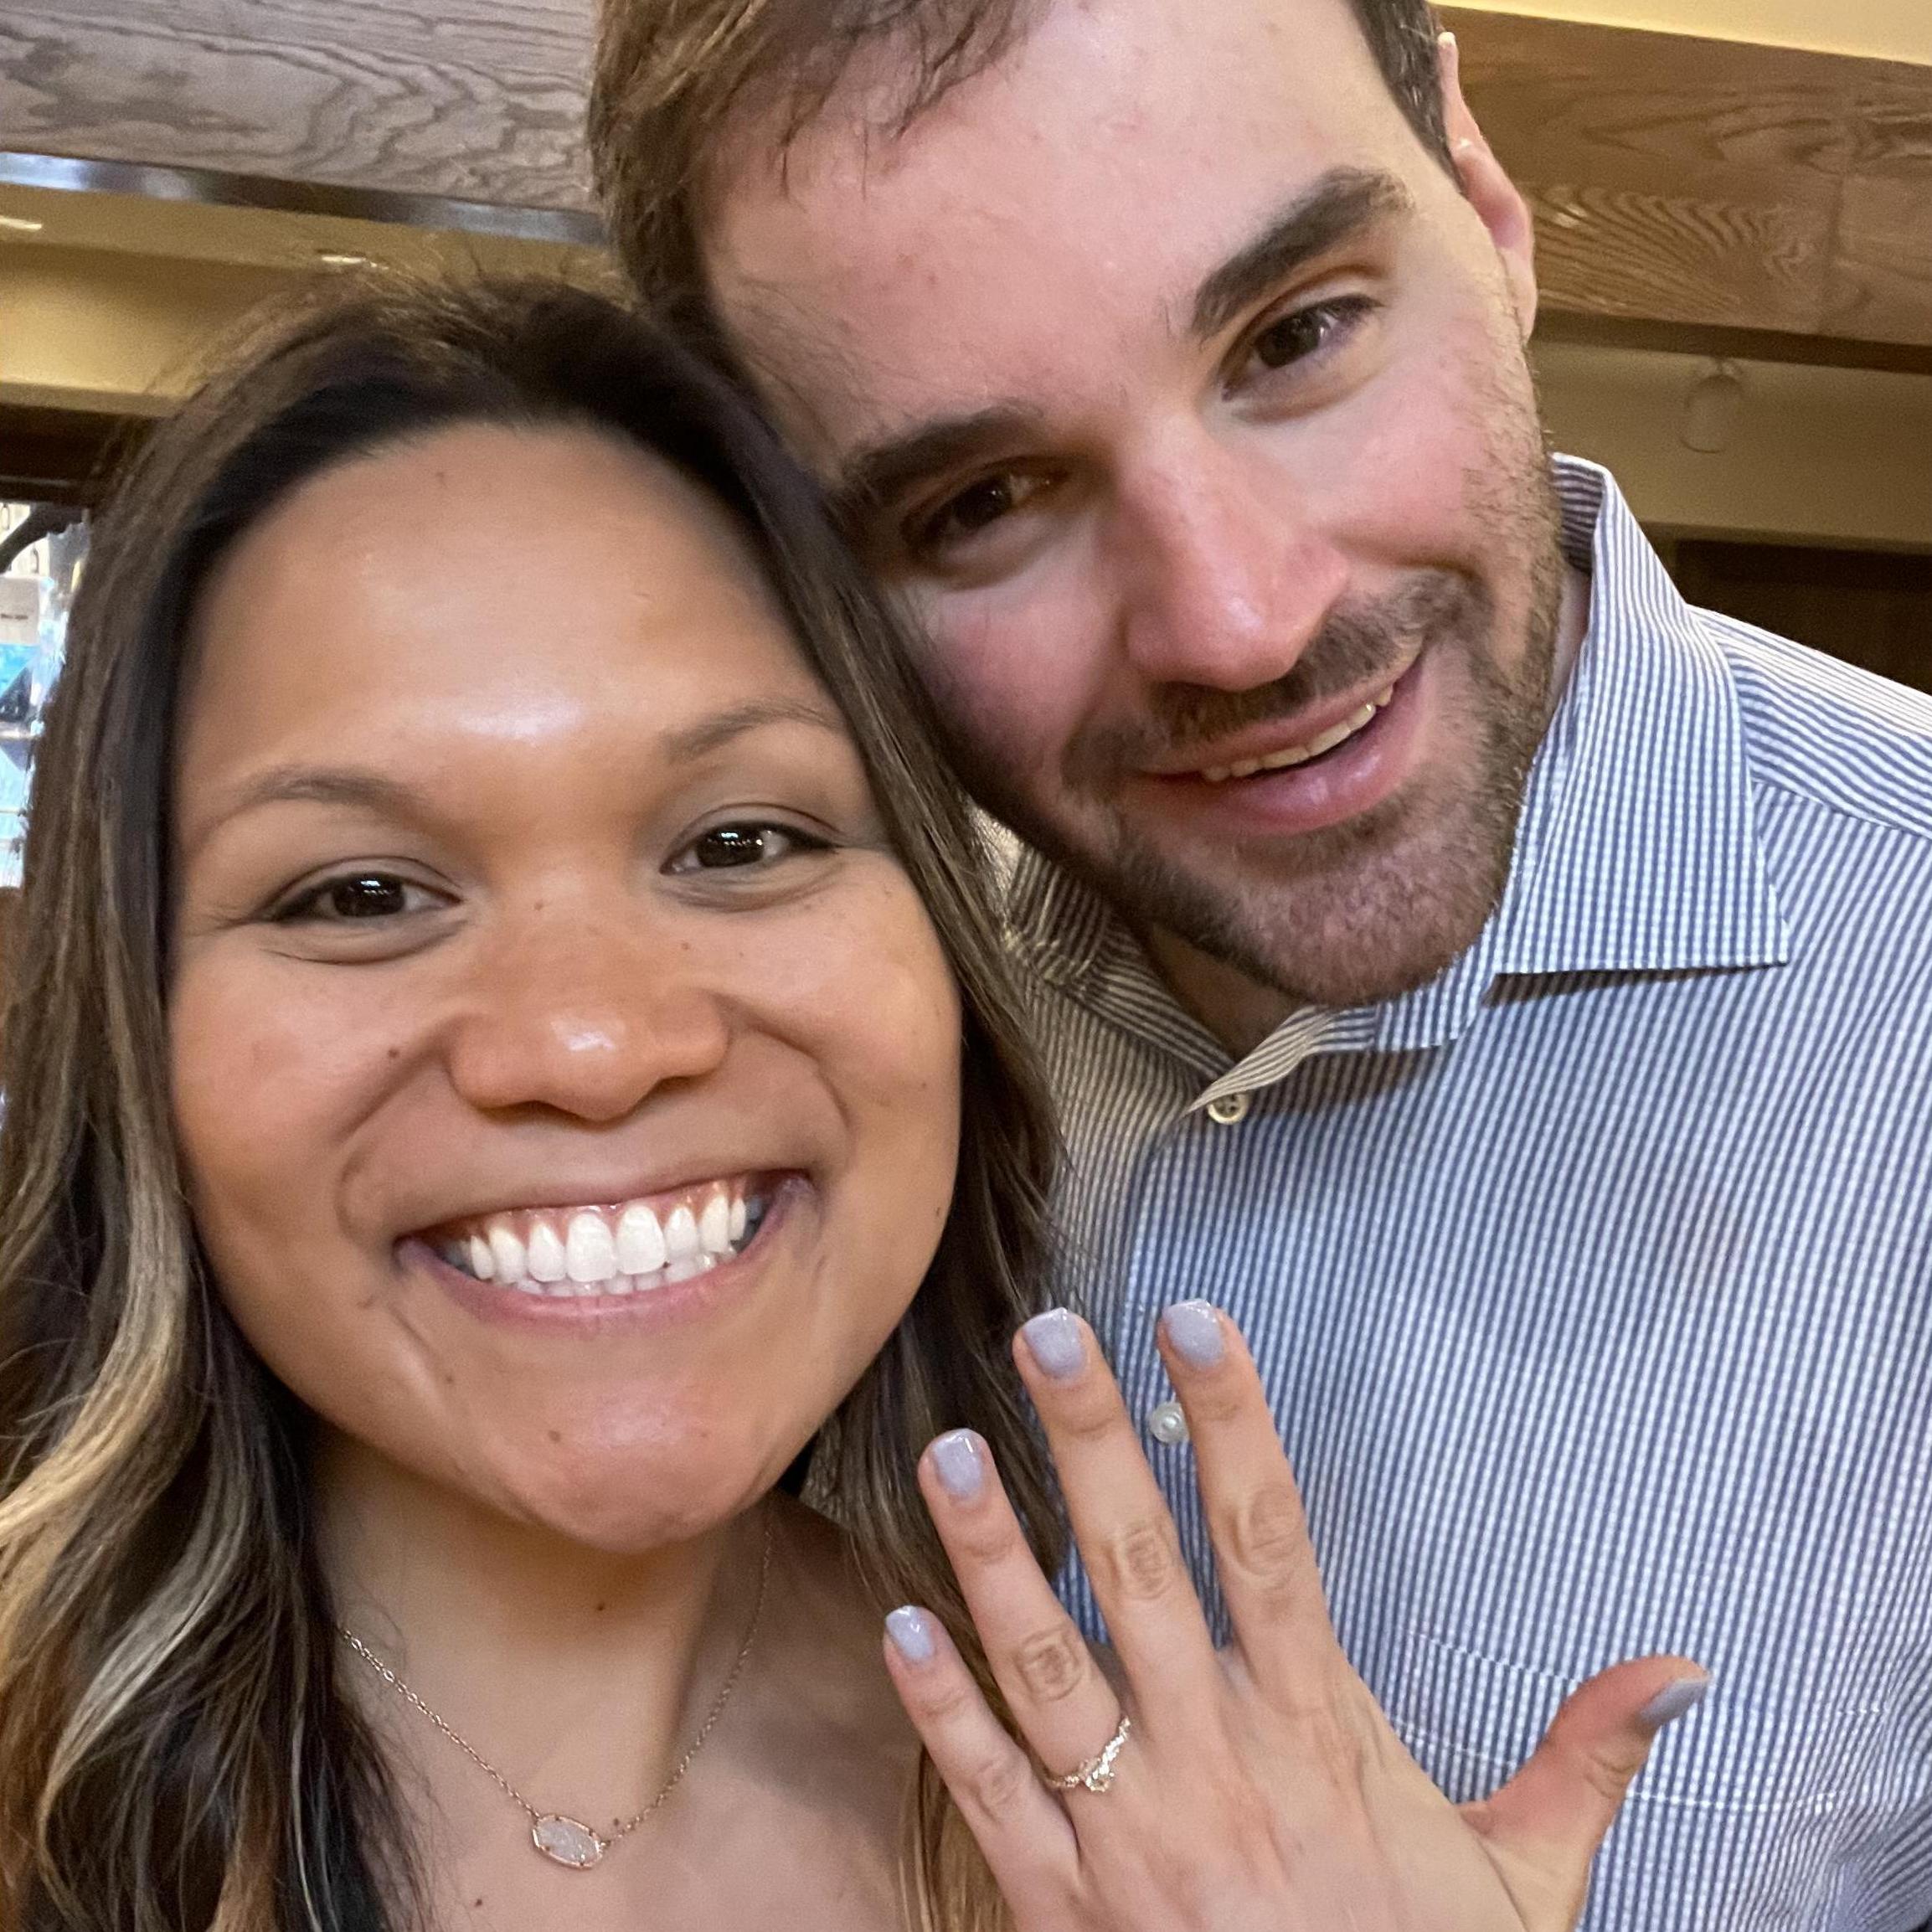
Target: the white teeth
pixel 681 1241
pixel 1299 754
pixel 714 1226
pixel 547 1259
pixel 1386 698
pixel 590 1251
pixel 507 1253
pixel 640 1241
pixel 593 1257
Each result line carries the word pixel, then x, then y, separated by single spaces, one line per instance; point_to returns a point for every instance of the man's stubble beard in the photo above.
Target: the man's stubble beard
pixel 1366 911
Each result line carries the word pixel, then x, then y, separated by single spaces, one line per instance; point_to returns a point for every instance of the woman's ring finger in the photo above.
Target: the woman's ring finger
pixel 1096 1773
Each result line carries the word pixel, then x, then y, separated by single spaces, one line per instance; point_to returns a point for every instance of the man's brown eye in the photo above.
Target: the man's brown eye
pixel 973 509
pixel 1293 338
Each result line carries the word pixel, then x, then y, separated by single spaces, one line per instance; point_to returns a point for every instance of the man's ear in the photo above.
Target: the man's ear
pixel 1489 191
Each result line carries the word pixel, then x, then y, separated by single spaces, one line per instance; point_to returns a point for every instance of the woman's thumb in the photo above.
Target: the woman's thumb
pixel 1542 1828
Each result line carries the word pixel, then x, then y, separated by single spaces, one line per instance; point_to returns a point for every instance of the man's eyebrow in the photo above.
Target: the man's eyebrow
pixel 1342 203
pixel 882 472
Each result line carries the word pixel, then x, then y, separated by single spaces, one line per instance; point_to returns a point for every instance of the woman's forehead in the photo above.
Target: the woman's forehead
pixel 492 580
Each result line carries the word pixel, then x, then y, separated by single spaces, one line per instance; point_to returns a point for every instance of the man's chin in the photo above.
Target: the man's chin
pixel 1376 927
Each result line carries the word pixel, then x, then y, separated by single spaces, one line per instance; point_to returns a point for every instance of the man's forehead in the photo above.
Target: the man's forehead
pixel 1120 148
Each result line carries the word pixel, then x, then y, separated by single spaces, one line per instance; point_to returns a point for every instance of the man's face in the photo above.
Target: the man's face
pixel 1181 392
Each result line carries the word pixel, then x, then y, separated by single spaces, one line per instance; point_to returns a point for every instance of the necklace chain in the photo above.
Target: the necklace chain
pixel 604 1840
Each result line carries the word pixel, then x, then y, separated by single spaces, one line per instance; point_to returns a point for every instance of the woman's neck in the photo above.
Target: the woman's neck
pixel 577 1674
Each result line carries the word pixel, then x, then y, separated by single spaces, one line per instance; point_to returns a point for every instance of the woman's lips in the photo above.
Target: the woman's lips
pixel 703 1235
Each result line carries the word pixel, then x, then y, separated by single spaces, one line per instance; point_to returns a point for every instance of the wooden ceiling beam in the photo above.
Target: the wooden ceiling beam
pixel 1698 185
pixel 1713 185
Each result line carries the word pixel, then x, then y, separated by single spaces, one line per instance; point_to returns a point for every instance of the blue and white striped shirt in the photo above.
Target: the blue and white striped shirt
pixel 1592 1282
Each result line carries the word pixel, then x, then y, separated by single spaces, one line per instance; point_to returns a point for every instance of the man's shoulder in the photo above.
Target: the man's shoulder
pixel 1829 735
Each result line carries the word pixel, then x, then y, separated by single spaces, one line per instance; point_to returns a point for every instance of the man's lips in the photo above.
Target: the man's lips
pixel 1280 744
pixel 1359 773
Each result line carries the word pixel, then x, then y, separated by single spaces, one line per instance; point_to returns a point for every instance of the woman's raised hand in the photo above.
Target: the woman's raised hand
pixel 1258 1788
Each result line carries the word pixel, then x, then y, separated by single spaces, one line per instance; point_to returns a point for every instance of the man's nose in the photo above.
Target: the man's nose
pixel 1224 580
pixel 585 1015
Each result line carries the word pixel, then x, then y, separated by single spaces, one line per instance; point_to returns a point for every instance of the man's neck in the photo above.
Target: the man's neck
pixel 1241 1011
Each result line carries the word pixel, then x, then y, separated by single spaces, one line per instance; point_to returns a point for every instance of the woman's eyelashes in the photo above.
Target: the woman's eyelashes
pixel 746 847
pixel 358 896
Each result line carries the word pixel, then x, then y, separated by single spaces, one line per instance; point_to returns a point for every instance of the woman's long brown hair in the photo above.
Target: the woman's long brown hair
pixel 175 1753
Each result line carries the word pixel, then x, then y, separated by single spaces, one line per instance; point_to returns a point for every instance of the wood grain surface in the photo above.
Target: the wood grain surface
pixel 1701 186
pixel 473 100
pixel 1713 185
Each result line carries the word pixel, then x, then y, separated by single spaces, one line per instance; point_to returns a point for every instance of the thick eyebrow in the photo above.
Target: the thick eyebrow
pixel 373 792
pixel 882 472
pixel 1344 203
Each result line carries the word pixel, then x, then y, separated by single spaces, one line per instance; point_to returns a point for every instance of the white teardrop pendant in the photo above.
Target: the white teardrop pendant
pixel 564 1842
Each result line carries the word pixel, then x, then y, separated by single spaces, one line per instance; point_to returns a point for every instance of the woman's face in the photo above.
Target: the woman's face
pixel 566 1073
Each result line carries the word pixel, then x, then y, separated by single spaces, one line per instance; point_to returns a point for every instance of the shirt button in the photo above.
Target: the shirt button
pixel 1229 1109
pixel 1167 1423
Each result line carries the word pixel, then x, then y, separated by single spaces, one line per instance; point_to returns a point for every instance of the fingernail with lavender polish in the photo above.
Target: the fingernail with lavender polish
pixel 1194 1331
pixel 1671 1701
pixel 1053 1340
pixel 911 1631
pixel 960 1464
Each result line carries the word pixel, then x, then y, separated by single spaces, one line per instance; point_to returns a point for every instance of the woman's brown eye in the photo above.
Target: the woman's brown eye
pixel 373 895
pixel 735 845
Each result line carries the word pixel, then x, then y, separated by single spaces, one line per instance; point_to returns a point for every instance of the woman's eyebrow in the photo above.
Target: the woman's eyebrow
pixel 711 733
pixel 374 793
pixel 369 791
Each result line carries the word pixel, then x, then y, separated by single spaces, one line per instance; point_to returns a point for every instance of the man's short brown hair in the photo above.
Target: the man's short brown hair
pixel 672 76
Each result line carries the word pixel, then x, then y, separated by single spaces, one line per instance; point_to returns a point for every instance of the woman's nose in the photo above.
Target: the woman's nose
pixel 585 1017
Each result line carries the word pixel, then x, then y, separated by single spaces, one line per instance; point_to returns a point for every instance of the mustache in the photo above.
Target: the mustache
pixel 1357 646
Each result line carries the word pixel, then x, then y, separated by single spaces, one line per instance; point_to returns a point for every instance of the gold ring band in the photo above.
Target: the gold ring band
pixel 1096 1774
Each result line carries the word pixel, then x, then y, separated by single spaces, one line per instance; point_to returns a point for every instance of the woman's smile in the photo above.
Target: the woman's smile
pixel 650 1259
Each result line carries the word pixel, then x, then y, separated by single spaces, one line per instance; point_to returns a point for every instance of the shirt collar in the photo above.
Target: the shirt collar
pixel 1637 851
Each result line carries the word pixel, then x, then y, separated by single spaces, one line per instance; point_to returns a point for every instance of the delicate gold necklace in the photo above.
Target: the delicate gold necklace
pixel 567 1841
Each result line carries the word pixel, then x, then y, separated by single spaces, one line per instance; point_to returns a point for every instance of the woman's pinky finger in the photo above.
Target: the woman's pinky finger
pixel 1023 1832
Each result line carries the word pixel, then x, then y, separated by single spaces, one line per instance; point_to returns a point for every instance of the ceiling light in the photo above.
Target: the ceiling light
pixel 337 258
pixel 20 224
